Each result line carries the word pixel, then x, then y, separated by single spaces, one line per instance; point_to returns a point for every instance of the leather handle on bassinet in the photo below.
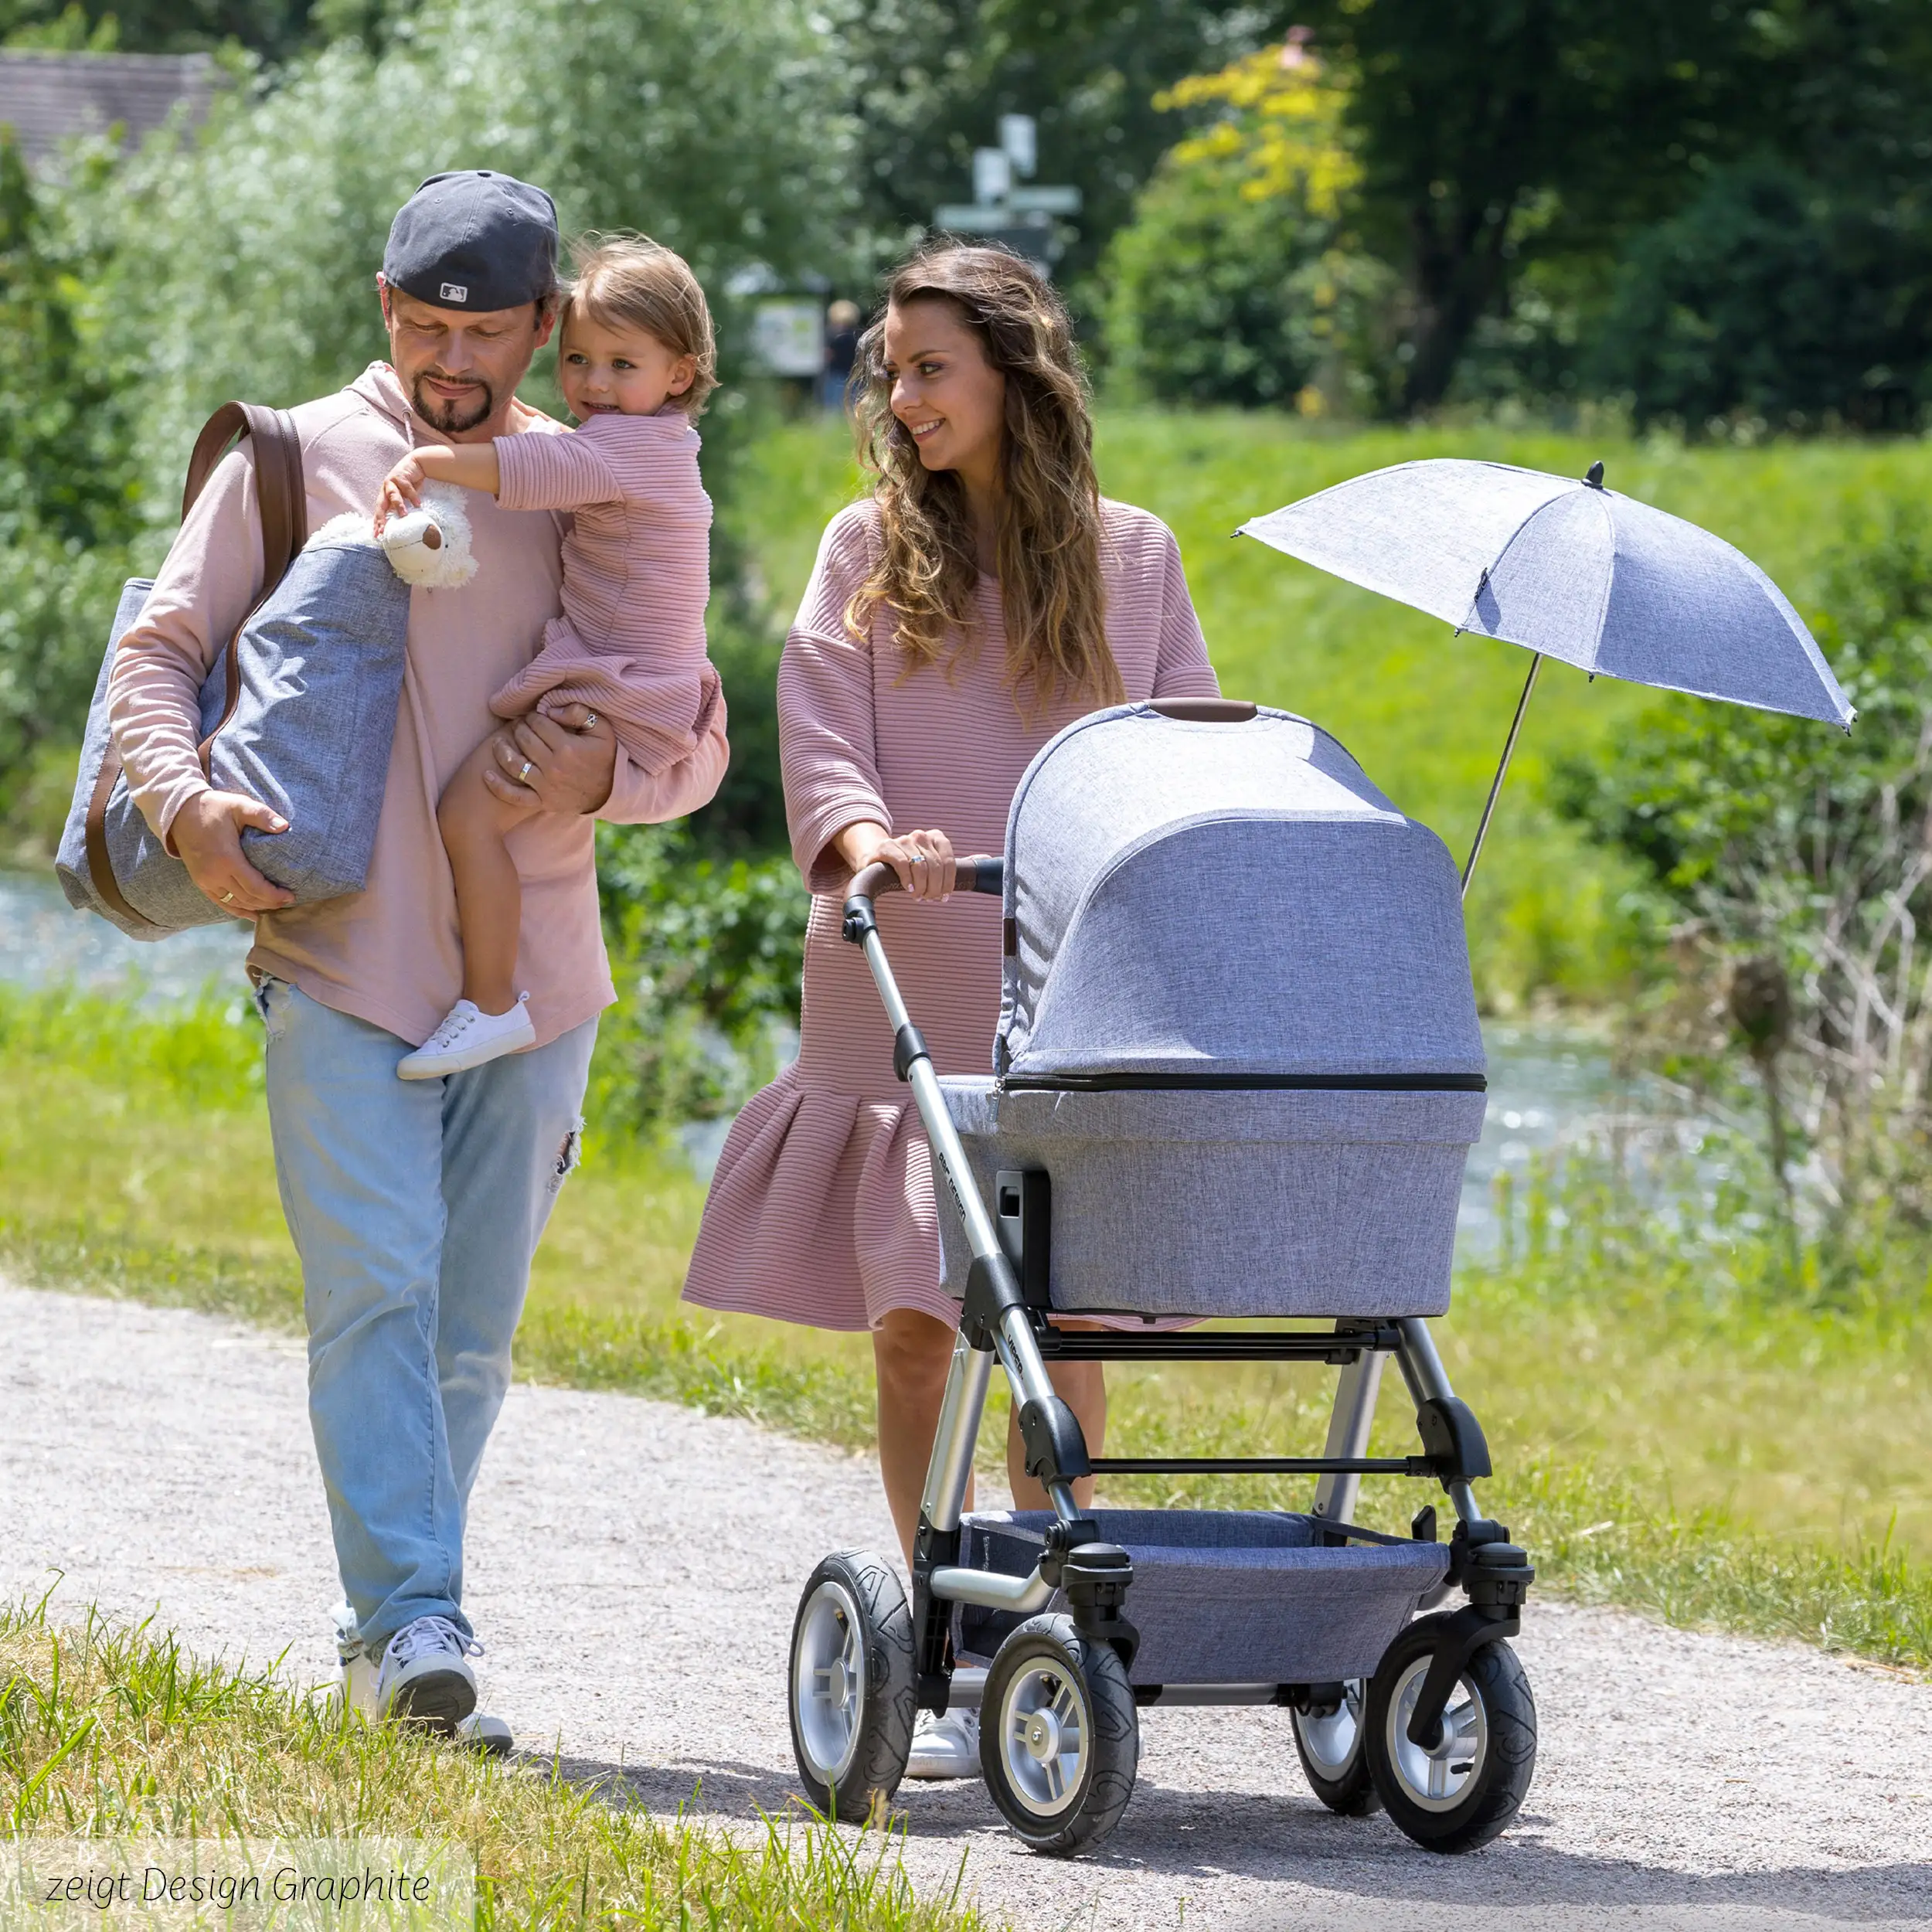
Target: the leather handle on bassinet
pixel 1204 710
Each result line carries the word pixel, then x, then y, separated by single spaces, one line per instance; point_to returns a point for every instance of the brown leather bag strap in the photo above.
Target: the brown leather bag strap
pixel 281 498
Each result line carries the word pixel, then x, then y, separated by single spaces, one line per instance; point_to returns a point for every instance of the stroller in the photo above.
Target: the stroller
pixel 1237 1073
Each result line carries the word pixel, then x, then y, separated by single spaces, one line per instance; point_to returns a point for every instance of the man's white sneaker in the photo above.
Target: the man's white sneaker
pixel 425 1676
pixel 468 1037
pixel 946 1746
pixel 356 1690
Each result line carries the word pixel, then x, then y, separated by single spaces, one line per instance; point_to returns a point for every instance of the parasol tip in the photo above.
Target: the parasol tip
pixel 1595 479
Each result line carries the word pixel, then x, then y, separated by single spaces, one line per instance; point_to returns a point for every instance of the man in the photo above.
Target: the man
pixel 415 1207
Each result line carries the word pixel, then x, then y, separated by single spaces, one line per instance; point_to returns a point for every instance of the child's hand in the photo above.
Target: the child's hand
pixel 402 491
pixel 572 716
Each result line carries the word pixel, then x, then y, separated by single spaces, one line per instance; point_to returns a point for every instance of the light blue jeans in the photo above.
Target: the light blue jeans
pixel 415 1207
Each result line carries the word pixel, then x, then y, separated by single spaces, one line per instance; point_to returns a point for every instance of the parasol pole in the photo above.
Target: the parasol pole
pixel 1496 788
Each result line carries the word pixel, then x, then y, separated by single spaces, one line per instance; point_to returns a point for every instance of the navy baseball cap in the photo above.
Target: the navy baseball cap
pixel 475 239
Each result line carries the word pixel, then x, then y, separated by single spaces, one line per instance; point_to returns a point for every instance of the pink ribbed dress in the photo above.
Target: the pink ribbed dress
pixel 637 576
pixel 821 1209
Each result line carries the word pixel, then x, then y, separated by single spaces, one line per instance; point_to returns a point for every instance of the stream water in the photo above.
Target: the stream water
pixel 1546 1089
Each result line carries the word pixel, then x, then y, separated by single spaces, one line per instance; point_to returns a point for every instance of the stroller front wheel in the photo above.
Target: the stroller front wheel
pixel 851 1689
pixel 1059 1738
pixel 1333 1755
pixel 1464 1790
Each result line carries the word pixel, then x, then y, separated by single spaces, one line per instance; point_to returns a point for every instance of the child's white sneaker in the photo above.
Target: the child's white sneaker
pixel 468 1037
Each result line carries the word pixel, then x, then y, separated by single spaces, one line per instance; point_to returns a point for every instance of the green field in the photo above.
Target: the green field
pixel 1667 1436
pixel 1425 712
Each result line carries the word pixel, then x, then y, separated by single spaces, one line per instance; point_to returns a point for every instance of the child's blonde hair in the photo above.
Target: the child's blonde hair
pixel 629 281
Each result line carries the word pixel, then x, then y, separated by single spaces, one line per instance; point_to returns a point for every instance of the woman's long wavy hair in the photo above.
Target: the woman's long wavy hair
pixel 1049 545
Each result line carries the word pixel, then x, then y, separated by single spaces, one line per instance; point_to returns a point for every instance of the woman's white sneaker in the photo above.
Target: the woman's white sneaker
pixel 425 1676
pixel 468 1037
pixel 946 1746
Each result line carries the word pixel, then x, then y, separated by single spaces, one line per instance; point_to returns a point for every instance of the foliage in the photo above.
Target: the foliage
pixel 1771 297
pixel 928 80
pixel 246 266
pixel 272 27
pixel 68 498
pixel 707 952
pixel 1492 132
pixel 1237 281
pixel 108 1732
pixel 1778 841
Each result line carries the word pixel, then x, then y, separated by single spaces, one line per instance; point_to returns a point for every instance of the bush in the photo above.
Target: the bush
pixel 1770 298
pixel 707 953
pixel 69 504
pixel 1797 865
pixel 1236 282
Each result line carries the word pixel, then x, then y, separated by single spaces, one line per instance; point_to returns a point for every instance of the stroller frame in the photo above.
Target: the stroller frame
pixel 999 1323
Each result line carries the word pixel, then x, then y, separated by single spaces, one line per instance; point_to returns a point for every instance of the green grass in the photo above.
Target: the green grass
pixel 1424 712
pixel 111 1733
pixel 1667 1436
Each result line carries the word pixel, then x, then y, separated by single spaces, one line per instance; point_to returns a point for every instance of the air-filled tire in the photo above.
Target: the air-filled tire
pixel 851 1689
pixel 1333 1756
pixel 1466 1790
pixel 1059 1738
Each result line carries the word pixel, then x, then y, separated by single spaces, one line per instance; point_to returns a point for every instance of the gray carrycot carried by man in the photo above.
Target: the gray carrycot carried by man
pixel 415 1207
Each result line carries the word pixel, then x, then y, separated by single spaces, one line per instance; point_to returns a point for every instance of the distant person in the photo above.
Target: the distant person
pixel 841 351
pixel 415 1208
pixel 982 596
pixel 637 360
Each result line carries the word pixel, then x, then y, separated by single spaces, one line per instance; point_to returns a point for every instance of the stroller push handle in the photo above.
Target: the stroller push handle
pixel 980 875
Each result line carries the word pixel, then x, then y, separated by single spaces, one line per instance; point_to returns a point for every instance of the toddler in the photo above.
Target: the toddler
pixel 636 358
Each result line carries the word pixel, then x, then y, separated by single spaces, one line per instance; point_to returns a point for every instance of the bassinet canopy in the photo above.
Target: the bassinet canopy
pixel 1226 904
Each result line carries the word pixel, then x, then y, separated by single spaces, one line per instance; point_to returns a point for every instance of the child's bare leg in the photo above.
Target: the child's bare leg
pixel 489 897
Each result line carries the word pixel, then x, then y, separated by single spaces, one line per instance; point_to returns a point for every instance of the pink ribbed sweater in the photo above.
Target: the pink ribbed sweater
pixel 637 575
pixel 821 1209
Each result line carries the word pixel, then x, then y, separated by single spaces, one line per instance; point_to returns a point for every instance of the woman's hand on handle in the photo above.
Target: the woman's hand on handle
pixel 922 861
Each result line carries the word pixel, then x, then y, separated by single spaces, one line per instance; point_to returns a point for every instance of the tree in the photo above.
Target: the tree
pixel 1237 281
pixel 68 500
pixel 928 78
pixel 273 27
pixel 1493 131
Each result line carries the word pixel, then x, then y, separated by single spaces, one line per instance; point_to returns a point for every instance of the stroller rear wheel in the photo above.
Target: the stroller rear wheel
pixel 1059 1740
pixel 851 1689
pixel 1333 1756
pixel 1463 1791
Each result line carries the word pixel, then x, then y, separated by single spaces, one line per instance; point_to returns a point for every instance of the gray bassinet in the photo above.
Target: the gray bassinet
pixel 1237 1030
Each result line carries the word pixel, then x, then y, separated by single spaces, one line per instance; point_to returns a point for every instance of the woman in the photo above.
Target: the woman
pixel 984 595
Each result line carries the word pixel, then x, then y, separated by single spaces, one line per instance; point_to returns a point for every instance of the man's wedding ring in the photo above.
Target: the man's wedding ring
pixel 228 899
pixel 523 777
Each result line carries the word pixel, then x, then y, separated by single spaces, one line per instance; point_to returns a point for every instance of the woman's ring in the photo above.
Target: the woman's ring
pixel 590 719
pixel 228 899
pixel 523 777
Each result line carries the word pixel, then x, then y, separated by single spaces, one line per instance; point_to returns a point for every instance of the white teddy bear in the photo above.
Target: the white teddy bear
pixel 431 545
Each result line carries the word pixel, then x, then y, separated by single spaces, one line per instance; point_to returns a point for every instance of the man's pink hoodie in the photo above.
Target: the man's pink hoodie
pixel 391 953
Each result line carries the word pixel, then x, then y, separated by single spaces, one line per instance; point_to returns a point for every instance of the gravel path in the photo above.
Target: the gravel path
pixel 633 1568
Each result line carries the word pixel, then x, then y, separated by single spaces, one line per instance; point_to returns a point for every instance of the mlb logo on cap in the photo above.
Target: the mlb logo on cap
pixel 452 293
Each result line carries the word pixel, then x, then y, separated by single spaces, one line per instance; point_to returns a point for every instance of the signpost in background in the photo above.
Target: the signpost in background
pixel 1021 218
